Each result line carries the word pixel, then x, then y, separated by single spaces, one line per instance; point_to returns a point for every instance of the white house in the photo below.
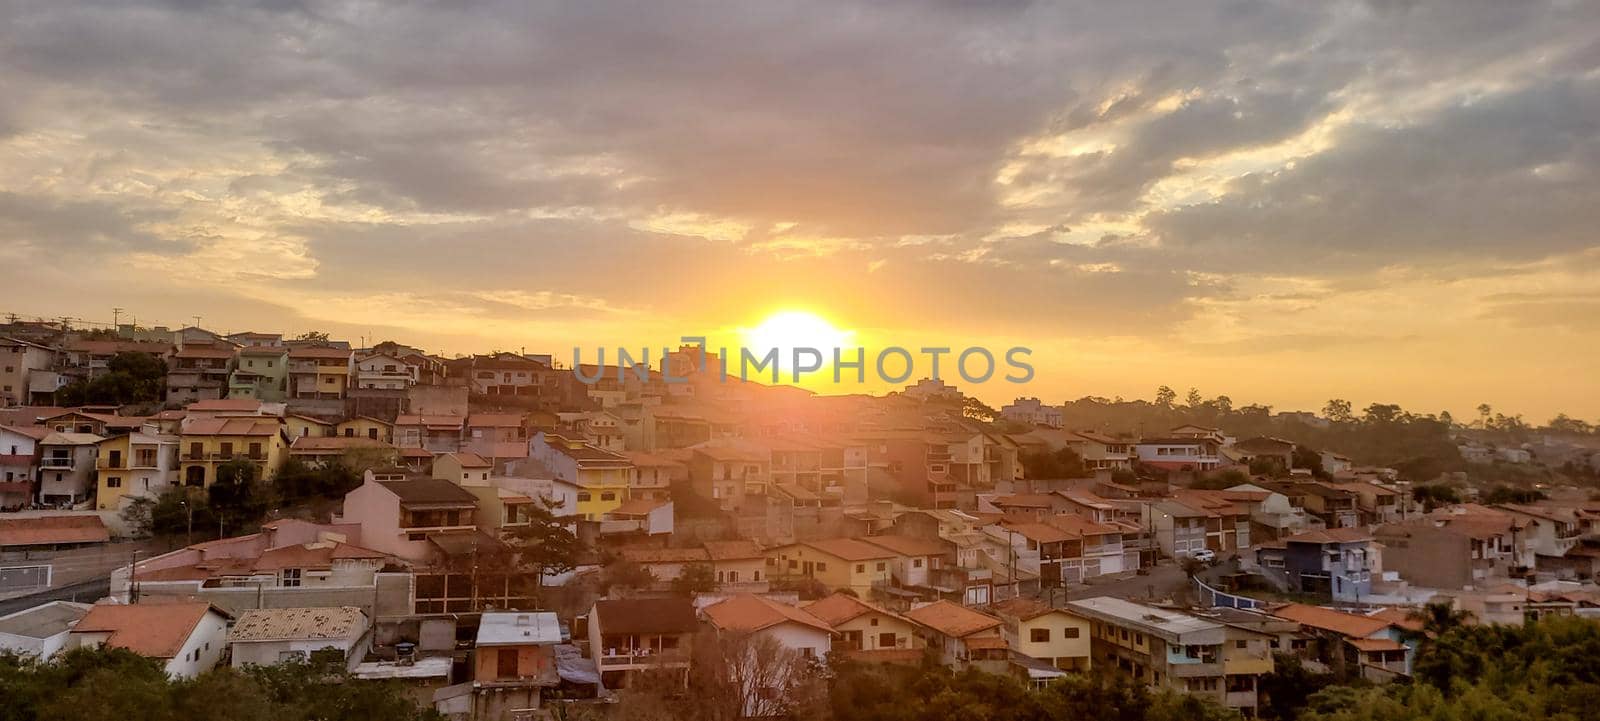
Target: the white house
pixel 783 638
pixel 268 636
pixel 40 631
pixel 188 638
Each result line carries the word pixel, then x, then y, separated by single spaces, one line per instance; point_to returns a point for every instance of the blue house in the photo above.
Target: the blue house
pixel 1337 563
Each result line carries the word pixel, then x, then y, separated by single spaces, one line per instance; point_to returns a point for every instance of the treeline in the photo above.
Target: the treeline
pixel 119 685
pixel 1534 672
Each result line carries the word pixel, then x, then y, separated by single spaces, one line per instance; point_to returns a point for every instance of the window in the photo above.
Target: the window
pixel 291 578
pixel 112 482
pixel 886 640
pixel 1241 644
pixel 1069 632
pixel 882 566
pixel 583 496
pixel 916 563
pixel 608 496
pixel 1039 635
pixel 861 568
pixel 822 566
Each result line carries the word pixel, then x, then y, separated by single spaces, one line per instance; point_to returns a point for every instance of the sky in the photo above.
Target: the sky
pixel 1284 202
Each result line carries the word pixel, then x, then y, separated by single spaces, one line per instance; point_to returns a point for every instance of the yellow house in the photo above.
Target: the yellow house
pixel 865 631
pixel 462 469
pixel 838 563
pixel 134 465
pixel 1053 635
pixel 306 427
pixel 210 442
pixel 365 427
pixel 602 477
pixel 319 373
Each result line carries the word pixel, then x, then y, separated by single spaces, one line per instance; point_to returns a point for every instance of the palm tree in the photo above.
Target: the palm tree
pixel 1437 619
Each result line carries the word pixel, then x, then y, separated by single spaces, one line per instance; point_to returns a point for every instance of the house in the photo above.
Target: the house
pixel 1338 562
pixel 436 433
pixel 462 468
pixel 319 373
pixel 1179 454
pixel 41 631
pixel 206 443
pixel 1377 503
pixel 365 427
pixel 1101 452
pixel 1038 630
pixel 1465 551
pixel 289 564
pixel 1354 646
pixel 301 426
pixel 19 465
pixel 496 435
pixel 1336 464
pixel 514 661
pixel 603 477
pixel 1198 431
pixel 1275 450
pixel 134 465
pixel 85 421
pixel 385 371
pixel 49 533
pixel 628 636
pixel 403 518
pixel 260 372
pixel 1156 646
pixel 19 361
pixel 66 467
pixel 321 452
pixel 1552 531
pixel 961 636
pixel 916 560
pixel 269 636
pixel 864 631
pixel 187 638
pixel 728 472
pixel 1253 637
pixel 837 563
pixel 1032 411
pixel 655 473
pixel 1180 530
pixel 792 628
pixel 198 372
pixel 638 518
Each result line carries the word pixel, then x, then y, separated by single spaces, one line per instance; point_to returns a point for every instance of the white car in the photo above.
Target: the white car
pixel 1204 555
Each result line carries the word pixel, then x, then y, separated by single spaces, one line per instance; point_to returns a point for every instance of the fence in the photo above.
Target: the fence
pixel 1213 598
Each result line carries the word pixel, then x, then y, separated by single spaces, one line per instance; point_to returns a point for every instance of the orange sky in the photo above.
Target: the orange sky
pixel 1385 202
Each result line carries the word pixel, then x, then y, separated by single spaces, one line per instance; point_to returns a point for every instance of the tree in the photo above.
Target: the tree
pixel 314 336
pixel 1447 419
pixel 731 677
pixel 1484 410
pixel 238 496
pixel 1435 495
pixel 1224 405
pixel 1165 396
pixel 1060 463
pixel 1284 691
pixel 130 377
pixel 622 574
pixel 1439 618
pixel 546 545
pixel 695 578
pixel 1339 410
pixel 1194 398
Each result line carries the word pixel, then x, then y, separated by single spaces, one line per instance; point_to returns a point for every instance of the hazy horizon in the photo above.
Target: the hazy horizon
pixel 1279 202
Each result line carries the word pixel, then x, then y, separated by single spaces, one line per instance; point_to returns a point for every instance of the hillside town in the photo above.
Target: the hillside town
pixel 499 536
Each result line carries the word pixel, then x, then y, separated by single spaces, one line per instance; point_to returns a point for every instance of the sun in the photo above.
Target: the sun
pixel 790 329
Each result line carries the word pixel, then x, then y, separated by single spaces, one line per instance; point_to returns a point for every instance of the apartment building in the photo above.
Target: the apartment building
pixel 1159 647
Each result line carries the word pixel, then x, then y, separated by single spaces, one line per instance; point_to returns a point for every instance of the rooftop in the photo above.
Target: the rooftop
pixel 952 619
pixel 298 624
pixel 749 613
pixel 1168 624
pixel 156 630
pixel 518 629
pixel 645 615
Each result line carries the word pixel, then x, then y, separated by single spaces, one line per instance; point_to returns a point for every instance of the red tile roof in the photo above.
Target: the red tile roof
pixel 50 530
pixel 749 613
pixel 156 630
pixel 1346 624
pixel 952 619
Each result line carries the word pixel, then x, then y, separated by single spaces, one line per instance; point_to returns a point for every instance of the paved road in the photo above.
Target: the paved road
pixel 86 592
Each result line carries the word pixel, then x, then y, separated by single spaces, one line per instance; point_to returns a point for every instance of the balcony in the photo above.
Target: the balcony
pixel 58 464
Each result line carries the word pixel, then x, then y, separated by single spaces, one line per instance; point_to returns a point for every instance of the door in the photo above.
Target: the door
pixel 116 459
pixel 506 663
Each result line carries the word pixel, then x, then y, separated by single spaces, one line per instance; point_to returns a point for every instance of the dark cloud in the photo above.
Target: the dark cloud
pixel 509 145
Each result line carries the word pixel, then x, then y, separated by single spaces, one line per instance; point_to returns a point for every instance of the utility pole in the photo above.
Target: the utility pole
pixel 133 580
pixel 116 317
